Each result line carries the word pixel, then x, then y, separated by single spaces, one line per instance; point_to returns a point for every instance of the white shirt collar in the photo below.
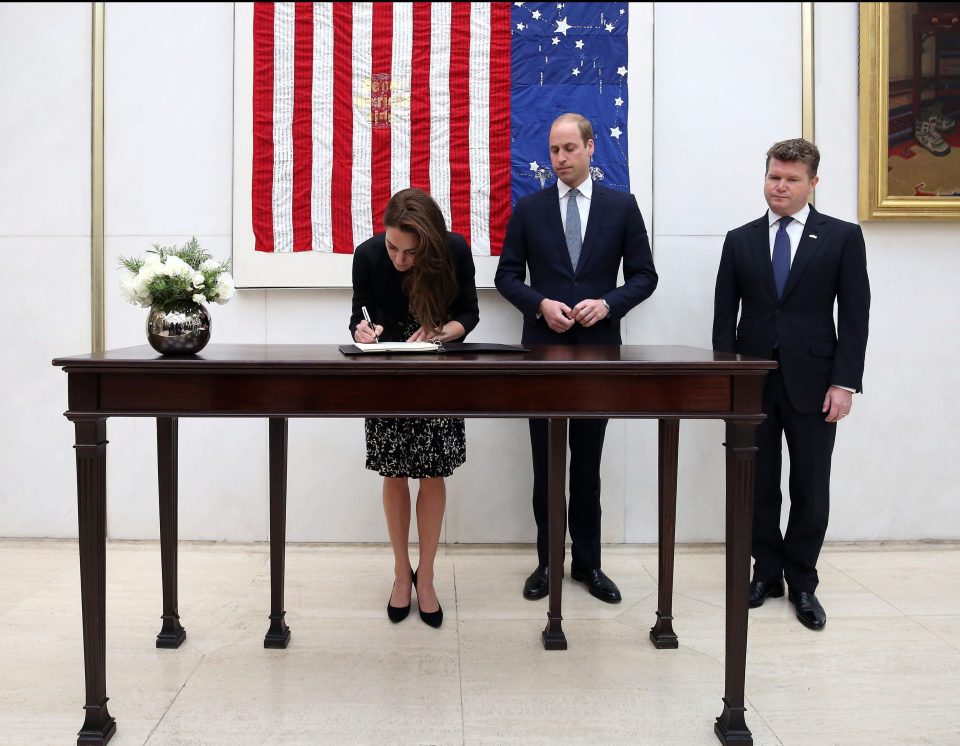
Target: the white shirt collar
pixel 800 215
pixel 585 187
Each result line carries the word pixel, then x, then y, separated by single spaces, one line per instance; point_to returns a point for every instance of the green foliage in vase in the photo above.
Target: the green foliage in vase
pixel 169 276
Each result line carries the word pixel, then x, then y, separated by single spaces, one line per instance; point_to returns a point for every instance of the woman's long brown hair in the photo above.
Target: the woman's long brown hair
pixel 431 283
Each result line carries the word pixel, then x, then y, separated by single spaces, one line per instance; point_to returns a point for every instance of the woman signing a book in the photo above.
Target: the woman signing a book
pixel 416 281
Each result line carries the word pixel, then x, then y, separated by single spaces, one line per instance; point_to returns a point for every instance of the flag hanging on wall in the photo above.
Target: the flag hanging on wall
pixel 355 101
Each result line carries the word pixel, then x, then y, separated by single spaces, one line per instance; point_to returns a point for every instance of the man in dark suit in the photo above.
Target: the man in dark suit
pixel 784 273
pixel 573 237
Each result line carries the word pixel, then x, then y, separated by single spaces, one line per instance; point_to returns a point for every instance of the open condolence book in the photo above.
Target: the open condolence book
pixel 402 347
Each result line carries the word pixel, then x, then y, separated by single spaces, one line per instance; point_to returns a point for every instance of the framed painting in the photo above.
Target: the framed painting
pixel 909 109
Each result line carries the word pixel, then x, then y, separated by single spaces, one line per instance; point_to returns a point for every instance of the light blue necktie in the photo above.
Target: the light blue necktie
pixel 572 232
pixel 781 256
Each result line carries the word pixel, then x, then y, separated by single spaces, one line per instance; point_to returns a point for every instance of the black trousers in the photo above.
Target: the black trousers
pixel 810 441
pixel 586 448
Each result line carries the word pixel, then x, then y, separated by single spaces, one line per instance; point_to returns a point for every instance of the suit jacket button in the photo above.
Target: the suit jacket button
pixel 779 312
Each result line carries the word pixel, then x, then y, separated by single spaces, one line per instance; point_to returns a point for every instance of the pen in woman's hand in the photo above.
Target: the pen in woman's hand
pixel 366 317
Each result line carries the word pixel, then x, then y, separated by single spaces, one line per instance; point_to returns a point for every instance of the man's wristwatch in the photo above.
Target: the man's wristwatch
pixel 605 305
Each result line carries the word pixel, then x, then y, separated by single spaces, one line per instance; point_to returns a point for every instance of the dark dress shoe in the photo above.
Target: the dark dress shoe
pixel 760 592
pixel 599 585
pixel 809 611
pixel 433 618
pixel 538 584
pixel 398 613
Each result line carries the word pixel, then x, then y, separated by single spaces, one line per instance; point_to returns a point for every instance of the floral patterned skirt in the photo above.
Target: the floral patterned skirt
pixel 415 447
pixel 418 447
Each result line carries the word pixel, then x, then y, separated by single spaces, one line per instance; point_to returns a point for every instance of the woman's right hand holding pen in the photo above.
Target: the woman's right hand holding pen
pixel 366 334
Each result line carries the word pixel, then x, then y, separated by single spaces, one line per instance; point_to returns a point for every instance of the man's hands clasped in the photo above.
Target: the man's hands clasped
pixel 560 317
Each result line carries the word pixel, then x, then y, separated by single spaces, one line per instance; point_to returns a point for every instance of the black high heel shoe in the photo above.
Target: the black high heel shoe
pixel 398 613
pixel 433 618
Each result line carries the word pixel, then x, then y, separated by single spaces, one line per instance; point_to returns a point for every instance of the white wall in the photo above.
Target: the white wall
pixel 45 256
pixel 725 88
pixel 714 65
pixel 895 466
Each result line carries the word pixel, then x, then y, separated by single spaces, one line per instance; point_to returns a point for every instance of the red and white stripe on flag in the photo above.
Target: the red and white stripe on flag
pixel 354 101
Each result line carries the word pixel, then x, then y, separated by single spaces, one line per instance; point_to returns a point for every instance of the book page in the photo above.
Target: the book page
pixel 398 347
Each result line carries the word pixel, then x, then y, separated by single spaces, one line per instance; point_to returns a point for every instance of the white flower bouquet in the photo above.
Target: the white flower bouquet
pixel 170 276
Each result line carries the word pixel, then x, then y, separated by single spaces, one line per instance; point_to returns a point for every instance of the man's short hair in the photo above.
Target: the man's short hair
pixel 795 151
pixel 583 124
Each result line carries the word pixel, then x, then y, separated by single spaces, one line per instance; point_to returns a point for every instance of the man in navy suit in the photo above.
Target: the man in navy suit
pixel 784 273
pixel 573 237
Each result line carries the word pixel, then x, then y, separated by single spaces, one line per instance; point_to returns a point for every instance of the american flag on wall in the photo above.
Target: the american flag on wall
pixel 355 101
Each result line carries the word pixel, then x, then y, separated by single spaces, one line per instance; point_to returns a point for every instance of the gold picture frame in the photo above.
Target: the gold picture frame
pixel 888 45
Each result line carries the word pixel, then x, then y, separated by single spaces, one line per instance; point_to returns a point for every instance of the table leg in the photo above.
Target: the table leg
pixel 731 728
pixel 662 633
pixel 278 636
pixel 91 447
pixel 553 637
pixel 172 634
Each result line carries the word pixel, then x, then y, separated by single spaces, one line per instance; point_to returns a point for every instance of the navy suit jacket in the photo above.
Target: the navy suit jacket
pixel 829 266
pixel 535 239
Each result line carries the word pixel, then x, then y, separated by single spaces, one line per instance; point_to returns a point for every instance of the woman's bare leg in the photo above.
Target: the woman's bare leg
pixel 431 502
pixel 396 508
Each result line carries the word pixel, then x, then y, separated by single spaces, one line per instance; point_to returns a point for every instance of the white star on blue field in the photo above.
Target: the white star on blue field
pixel 567 57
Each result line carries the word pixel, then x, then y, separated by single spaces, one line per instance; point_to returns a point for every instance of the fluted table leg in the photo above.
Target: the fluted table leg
pixel 662 633
pixel 278 636
pixel 91 448
pixel 731 728
pixel 553 637
pixel 172 634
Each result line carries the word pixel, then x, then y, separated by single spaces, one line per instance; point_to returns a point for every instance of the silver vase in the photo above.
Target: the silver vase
pixel 181 330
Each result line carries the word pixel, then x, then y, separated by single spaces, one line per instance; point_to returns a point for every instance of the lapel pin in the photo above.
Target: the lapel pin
pixel 811 235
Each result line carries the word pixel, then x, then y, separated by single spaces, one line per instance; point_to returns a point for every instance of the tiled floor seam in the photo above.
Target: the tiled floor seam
pixel 174 699
pixel 456 608
pixel 918 618
pixel 868 590
pixel 758 714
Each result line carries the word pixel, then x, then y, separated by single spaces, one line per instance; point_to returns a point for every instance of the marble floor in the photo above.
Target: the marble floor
pixel 886 670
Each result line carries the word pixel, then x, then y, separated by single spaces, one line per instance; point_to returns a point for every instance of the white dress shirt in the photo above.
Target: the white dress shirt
pixel 794 229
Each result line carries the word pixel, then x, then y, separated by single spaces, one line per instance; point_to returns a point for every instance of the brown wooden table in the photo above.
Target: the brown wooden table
pixel 282 381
